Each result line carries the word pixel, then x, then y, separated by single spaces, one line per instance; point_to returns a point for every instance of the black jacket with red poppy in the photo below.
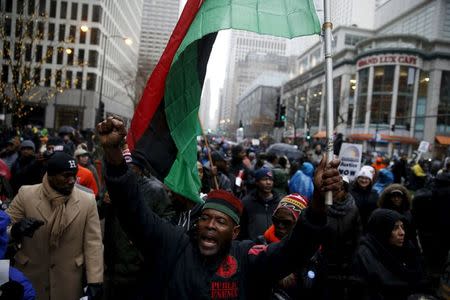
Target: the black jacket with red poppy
pixel 177 270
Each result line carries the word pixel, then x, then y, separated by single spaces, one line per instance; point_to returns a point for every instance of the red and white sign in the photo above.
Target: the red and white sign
pixel 389 59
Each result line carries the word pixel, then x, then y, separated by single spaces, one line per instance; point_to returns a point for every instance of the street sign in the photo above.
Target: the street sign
pixel 350 157
pixel 424 146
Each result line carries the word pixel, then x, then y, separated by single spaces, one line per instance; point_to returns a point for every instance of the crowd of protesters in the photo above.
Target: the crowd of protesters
pixel 83 216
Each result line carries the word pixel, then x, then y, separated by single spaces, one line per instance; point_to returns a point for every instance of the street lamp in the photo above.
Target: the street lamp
pixel 106 37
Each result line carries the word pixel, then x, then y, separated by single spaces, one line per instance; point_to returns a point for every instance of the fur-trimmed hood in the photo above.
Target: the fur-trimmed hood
pixel 384 201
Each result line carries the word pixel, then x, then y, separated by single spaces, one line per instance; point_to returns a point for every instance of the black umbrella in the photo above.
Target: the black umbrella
pixel 290 151
pixel 66 129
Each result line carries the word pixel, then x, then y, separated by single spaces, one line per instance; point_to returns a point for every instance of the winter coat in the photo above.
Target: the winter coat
pixel 257 214
pixel 179 271
pixel 385 178
pixel 365 200
pixel 404 210
pixel 301 184
pixel 344 231
pixel 14 275
pixel 26 171
pixel 56 273
pixel 383 271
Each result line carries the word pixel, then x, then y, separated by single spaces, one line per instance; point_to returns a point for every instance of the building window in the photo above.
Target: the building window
pixel 315 98
pixel 8 6
pixel 49 55
pixel 405 96
pixel 37 76
pixel 81 56
pixel 96 13
pixel 443 120
pixel 5 73
pixel 91 81
pixel 42 7
pixel 93 59
pixel 20 7
pixel 48 77
pixel 363 84
pixel 60 56
pixel 63 10
pixel 40 30
pixel 70 56
pixel 79 80
pixel 69 78
pixel 84 12
pixel 28 51
pixel 58 78
pixel 6 49
pixel 74 11
pixel 421 103
pixel 72 33
pixel 17 50
pixel 53 9
pixel 19 28
pixel 31 7
pixel 51 32
pixel 8 26
pixel 82 37
pixel 61 32
pixel 351 39
pixel 30 27
pixel 38 53
pixel 383 82
pixel 95 36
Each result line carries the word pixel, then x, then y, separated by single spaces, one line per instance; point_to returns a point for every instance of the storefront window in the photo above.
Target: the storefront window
pixel 351 100
pixel 421 103
pixel 405 97
pixel 362 96
pixel 383 83
pixel 301 109
pixel 443 120
pixel 315 97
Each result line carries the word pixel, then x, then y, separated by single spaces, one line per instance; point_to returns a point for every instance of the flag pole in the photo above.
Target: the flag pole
pixel 327 28
pixel 216 183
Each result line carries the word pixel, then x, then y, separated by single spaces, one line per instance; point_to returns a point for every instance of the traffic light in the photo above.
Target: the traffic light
pixel 283 113
pixel 393 127
pixel 100 112
pixel 308 135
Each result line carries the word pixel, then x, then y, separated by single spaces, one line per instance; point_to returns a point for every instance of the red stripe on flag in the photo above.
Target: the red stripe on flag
pixel 154 90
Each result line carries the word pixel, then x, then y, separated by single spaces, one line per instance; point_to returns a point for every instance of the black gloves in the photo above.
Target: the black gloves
pixel 94 291
pixel 25 227
pixel 11 290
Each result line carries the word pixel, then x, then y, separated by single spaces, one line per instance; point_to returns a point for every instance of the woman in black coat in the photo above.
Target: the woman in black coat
pixel 365 197
pixel 387 266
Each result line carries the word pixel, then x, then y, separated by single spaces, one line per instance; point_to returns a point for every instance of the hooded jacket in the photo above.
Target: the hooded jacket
pixel 385 178
pixel 14 274
pixel 257 214
pixel 179 271
pixel 381 270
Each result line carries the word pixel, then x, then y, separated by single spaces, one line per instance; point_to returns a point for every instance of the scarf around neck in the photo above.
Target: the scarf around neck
pixel 270 236
pixel 58 219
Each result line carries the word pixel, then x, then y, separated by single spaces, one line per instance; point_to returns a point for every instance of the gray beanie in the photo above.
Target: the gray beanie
pixel 28 144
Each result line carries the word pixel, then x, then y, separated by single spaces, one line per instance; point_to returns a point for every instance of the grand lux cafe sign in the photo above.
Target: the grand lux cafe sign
pixel 389 59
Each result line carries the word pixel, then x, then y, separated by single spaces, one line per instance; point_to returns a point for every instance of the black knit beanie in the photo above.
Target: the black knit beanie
pixel 61 162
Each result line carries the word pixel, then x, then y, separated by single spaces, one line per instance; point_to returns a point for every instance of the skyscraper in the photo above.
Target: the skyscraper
pixel 242 43
pixel 158 20
pixel 65 53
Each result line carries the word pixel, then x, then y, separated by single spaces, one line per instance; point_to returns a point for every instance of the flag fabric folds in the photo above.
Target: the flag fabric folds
pixel 165 124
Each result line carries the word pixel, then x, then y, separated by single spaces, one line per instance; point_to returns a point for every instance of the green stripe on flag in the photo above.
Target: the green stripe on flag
pixel 282 18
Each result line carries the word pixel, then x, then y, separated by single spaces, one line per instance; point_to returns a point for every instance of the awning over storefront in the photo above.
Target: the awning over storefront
pixel 384 138
pixel 443 140
pixel 320 135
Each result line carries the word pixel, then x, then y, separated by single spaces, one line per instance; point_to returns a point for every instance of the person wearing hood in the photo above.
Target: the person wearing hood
pixel 397 197
pixel 10 153
pixel 18 287
pixel 27 169
pixel 365 197
pixel 301 182
pixel 385 178
pixel 344 231
pixel 387 265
